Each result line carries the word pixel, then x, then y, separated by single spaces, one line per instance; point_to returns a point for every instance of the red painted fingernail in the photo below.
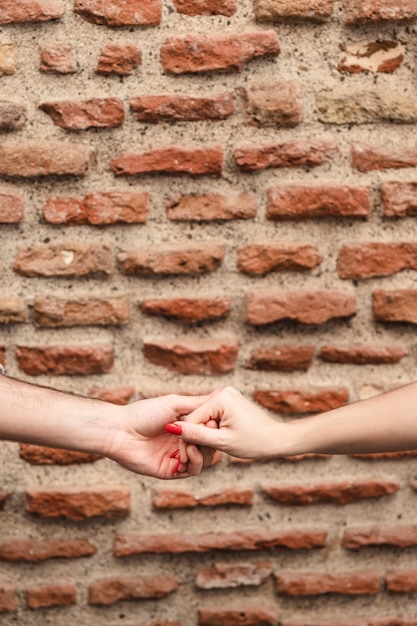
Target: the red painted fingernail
pixel 174 429
pixel 177 467
pixel 174 454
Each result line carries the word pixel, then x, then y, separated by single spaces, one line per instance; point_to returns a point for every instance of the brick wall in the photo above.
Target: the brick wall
pixel 195 194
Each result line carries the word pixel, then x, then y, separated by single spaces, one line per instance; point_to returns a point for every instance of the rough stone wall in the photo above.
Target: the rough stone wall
pixel 197 194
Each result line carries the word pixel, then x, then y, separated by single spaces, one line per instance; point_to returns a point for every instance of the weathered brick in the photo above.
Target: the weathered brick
pixel 383 536
pixel 274 104
pixel 192 259
pixel 244 615
pixel 364 621
pixel 289 154
pixel 213 206
pixel 178 543
pixel 356 12
pixel 230 575
pixel 401 581
pixel 65 360
pixel 192 356
pixel 94 113
pixel 78 259
pixel 265 306
pixel 295 401
pixel 35 550
pixel 278 257
pixel 205 53
pixel 11 207
pixel 178 108
pixel 98 208
pixel 107 591
pixel 54 312
pixel 203 161
pixel 13 116
pixel 18 11
pixel 170 499
pixel 397 305
pixel 318 583
pixel 371 56
pixel 206 7
pixel 2 361
pixel 301 201
pixel 362 355
pixel 399 199
pixel 366 260
pixel 298 10
pixel 115 395
pixel 347 106
pixel 287 358
pixel 27 159
pixel 7 598
pixel 120 59
pixel 367 158
pixel 45 596
pixel 120 12
pixel 43 455
pixel 188 309
pixel 3 497
pixel 58 58
pixel 8 59
pixel 12 309
pixel 79 505
pixel 340 492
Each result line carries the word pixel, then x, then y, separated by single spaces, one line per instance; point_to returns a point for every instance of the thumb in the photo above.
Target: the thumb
pixel 197 434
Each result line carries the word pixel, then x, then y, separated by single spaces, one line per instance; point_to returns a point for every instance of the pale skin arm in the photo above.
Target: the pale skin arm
pixel 133 435
pixel 384 423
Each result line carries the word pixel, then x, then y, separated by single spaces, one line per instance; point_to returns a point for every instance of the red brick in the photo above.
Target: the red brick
pixel 120 12
pixel 367 158
pixel 294 401
pixel 65 360
pixel 169 499
pixel 191 259
pixel 8 59
pixel 371 56
pixel 401 581
pixel 79 505
pixel 119 59
pixel 340 492
pixel 288 154
pixel 98 208
pixel 317 583
pixel 18 11
pixel 246 615
pixel 177 108
pixel 206 7
pixel 94 113
pixel 213 206
pixel 205 53
pixel 382 536
pixel 362 355
pixel 382 456
pixel 58 58
pixel 188 309
pixel 45 596
pixel 11 208
pixel 53 312
pixel 300 201
pixel 27 159
pixel 277 104
pixel 366 260
pixel 307 307
pixel 399 199
pixel 115 395
pixel 13 116
pixel 193 356
pixel 12 310
pixel 298 10
pixel 397 305
pixel 178 543
pixel 77 259
pixel 43 455
pixel 35 550
pixel 2 355
pixel 365 621
pixel 107 591
pixel 203 161
pixel 7 598
pixel 356 12
pixel 230 575
pixel 278 257
pixel 287 358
